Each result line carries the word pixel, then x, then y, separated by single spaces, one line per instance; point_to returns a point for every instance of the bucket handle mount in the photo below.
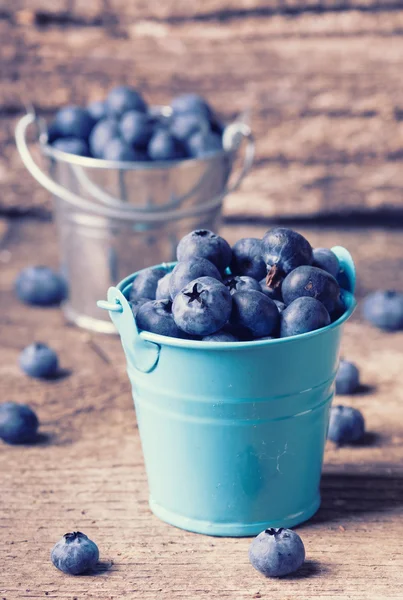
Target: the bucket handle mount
pixel 142 354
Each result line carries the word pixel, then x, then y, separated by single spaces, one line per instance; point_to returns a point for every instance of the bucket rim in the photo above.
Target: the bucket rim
pixel 123 286
pixel 101 163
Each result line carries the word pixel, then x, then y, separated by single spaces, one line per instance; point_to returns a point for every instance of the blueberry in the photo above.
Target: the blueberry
pixel 136 128
pixel 346 425
pixel 185 125
pixel 327 260
pixel 347 378
pixel 272 292
pixel 40 286
pixel 72 146
pixel 338 310
pixel 220 336
pixel 122 99
pixel 191 103
pixel 103 132
pixel 18 423
pixel 203 144
pixel 202 307
pixel 52 132
pixel 75 554
pixel 241 283
pixel 156 316
pixel 384 309
pixel 163 287
pixel 39 361
pixel 280 305
pixel 74 121
pixel 97 110
pixel 312 282
pixel 164 146
pixel 117 149
pixel 303 315
pixel 206 244
pixel 145 284
pixel 277 552
pixel 283 250
pixel 254 313
pixel 247 258
pixel 136 304
pixel 188 270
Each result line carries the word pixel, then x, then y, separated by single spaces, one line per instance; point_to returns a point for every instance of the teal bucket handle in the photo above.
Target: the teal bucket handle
pixel 144 355
pixel 347 276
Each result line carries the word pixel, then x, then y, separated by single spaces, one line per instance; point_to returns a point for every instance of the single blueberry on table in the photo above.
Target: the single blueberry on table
pixel 247 258
pixel 136 304
pixel 254 313
pixel 18 423
pixel 183 126
pixel 188 270
pixel 164 146
pixel 220 336
pixel 122 99
pixel 277 552
pixel 97 110
pixel 103 132
pixel 191 103
pixel 74 121
pixel 311 282
pixel 205 244
pixel 162 291
pixel 40 286
pixel 156 316
pixel 72 145
pixel 203 144
pixel 272 292
pixel 117 149
pixel 39 361
pixel 241 283
pixel 136 128
pixel 75 554
pixel 347 378
pixel 202 307
pixel 325 259
pixel 384 309
pixel 283 250
pixel 145 283
pixel 346 425
pixel 303 315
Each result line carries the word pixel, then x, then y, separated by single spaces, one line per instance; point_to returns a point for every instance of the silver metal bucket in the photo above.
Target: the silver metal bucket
pixel 115 218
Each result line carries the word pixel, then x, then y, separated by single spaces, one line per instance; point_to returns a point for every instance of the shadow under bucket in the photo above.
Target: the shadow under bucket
pixel 233 434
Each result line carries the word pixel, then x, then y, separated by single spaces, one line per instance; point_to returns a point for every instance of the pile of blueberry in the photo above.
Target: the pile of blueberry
pixel 258 289
pixel 124 128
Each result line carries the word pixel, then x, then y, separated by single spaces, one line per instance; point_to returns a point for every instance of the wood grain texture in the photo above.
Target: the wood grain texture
pixel 325 88
pixel 88 472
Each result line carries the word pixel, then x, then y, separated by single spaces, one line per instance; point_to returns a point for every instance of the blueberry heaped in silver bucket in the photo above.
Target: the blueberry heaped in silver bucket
pixel 124 128
pixel 208 299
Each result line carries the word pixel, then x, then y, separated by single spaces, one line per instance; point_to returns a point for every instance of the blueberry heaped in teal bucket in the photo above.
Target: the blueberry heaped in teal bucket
pixel 214 300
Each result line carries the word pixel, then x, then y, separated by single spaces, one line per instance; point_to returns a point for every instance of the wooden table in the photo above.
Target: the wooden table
pixel 87 473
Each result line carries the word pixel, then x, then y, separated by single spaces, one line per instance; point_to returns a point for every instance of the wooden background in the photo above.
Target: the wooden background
pixel 325 83
pixel 323 80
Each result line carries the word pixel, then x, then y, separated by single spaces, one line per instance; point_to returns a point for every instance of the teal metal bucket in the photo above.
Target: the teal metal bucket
pixel 233 434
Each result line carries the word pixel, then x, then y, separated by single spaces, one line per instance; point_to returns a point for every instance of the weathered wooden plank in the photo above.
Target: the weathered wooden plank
pixel 89 474
pixel 71 11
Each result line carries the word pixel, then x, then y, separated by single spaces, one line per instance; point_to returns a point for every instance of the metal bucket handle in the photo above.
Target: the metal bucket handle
pixel 54 188
pixel 145 354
